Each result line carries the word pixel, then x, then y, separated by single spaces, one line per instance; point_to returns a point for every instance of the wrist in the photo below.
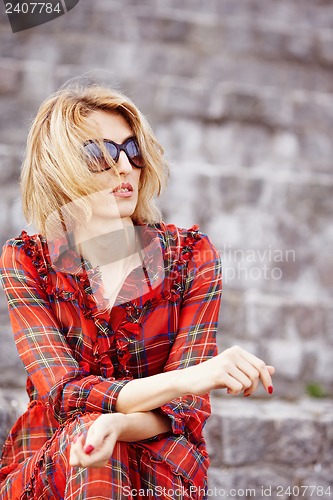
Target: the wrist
pixel 142 425
pixel 196 379
pixel 117 423
pixel 122 425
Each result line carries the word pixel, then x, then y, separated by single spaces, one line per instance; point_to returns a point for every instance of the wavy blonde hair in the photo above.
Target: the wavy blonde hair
pixel 55 174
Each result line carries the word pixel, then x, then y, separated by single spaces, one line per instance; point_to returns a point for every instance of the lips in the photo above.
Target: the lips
pixel 123 186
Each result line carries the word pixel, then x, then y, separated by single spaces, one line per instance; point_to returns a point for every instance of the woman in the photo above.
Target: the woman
pixel 114 314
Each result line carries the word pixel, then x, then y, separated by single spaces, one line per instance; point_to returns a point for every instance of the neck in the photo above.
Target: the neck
pixel 107 244
pixel 99 227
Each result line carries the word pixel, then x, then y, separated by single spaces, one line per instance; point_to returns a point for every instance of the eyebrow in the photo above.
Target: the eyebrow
pixel 128 137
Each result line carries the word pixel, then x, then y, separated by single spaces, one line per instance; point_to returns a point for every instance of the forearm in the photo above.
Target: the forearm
pixel 234 369
pixel 143 425
pixel 149 393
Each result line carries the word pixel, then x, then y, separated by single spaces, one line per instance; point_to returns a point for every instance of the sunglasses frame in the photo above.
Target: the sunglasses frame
pixel 119 148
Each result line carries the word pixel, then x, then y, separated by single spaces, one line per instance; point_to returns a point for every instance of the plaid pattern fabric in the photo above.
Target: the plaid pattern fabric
pixel 78 357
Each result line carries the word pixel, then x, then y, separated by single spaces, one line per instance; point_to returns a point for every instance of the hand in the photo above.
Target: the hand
pixel 99 443
pixel 238 370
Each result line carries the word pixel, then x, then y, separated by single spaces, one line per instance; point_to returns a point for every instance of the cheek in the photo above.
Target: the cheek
pixel 139 177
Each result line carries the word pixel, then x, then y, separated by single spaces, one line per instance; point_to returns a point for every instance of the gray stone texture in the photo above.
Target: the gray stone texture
pixel 240 94
pixel 270 447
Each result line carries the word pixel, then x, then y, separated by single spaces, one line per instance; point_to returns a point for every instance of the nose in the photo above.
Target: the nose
pixel 123 164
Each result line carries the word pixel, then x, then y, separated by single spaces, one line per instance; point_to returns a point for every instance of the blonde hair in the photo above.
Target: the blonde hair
pixel 55 173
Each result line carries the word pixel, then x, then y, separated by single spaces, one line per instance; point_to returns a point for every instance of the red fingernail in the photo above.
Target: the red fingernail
pixel 270 389
pixel 88 449
pixel 246 395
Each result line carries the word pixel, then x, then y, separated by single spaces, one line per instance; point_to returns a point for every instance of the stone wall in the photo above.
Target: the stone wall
pixel 240 94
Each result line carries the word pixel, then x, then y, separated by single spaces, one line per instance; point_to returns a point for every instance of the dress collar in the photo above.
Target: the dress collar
pixel 64 255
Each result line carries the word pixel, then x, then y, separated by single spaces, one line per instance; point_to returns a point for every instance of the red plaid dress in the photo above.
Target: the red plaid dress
pixel 78 357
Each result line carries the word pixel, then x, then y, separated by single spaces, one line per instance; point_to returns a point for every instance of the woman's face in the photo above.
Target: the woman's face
pixel 107 204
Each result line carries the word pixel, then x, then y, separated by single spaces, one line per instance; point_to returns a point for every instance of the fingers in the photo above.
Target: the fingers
pixel 232 384
pixel 76 447
pixel 78 457
pixel 243 371
pixel 96 435
pixel 252 389
pixel 246 376
pixel 243 381
pixel 271 369
pixel 83 454
pixel 260 365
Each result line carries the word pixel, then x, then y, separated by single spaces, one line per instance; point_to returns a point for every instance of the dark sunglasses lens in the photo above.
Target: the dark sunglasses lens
pixel 112 150
pixel 95 153
pixel 133 152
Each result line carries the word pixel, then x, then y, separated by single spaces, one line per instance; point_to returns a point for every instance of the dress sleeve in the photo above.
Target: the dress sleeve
pixel 60 381
pixel 196 337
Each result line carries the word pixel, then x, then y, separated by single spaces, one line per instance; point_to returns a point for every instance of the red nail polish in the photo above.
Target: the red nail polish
pixel 246 395
pixel 270 389
pixel 88 449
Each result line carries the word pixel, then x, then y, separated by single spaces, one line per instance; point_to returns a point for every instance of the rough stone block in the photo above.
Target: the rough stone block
pixel 265 317
pixel 164 29
pixel 325 270
pixel 233 314
pixel 10 77
pixel 301 46
pixel 16 218
pixel 310 320
pixel 10 362
pixel 272 431
pixel 184 190
pixel 183 97
pixel 13 130
pixel 311 204
pixel 221 192
pixel 327 452
pixel 8 162
pixel 283 75
pixel 325 49
pixel 295 442
pixel 324 368
pixel 244 440
pixel 310 484
pixel 12 404
pixel 248 482
pixel 3 221
pixel 185 5
pixel 248 104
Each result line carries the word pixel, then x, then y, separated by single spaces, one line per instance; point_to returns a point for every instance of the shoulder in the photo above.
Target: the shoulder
pixel 187 243
pixel 23 251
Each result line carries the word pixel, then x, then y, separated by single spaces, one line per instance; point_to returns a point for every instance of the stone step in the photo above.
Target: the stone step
pixel 271 447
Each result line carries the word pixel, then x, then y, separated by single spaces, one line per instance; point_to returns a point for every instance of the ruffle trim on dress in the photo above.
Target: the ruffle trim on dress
pixel 32 248
pixel 176 278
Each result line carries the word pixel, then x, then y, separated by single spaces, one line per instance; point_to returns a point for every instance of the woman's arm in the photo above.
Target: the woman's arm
pixel 234 369
pixel 62 383
pixel 95 450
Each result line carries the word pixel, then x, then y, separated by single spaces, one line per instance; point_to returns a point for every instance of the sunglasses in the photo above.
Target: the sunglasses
pixel 130 146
